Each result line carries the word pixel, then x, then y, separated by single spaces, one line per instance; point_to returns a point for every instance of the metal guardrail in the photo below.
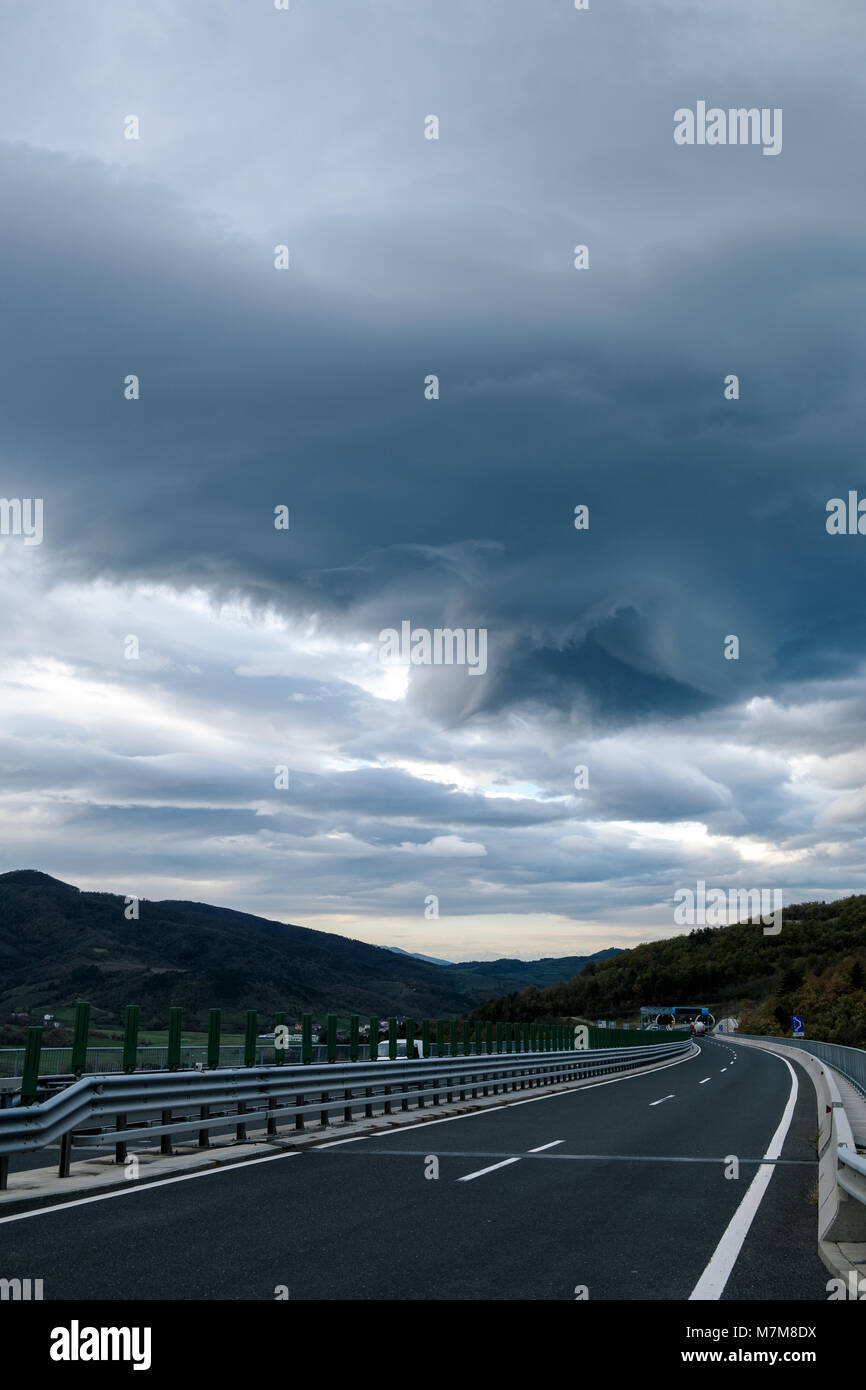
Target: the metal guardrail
pixel 271 1095
pixel 850 1062
pixel 854 1181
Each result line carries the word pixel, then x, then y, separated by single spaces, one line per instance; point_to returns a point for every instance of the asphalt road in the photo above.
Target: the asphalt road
pixel 626 1197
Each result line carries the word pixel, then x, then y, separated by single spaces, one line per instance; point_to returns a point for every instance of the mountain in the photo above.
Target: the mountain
pixel 521 974
pixel 815 967
pixel 415 955
pixel 509 974
pixel 58 944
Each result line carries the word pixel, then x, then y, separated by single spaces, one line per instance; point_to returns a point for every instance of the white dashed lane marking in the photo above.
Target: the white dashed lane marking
pixel 492 1169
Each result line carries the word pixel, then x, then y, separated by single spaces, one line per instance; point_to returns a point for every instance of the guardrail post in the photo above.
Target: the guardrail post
pixel 374 1057
pixel 130 1038
pixel 165 1139
pixel 80 1031
pixel 172 1061
pixel 30 1069
pixel 354 1037
pixel 120 1146
pixel 280 1053
pixel 331 1022
pixel 175 1024
pixel 250 1038
pixel 65 1156
pixel 392 1053
pixel 4 1170
pixel 307 1039
pixel 214 1028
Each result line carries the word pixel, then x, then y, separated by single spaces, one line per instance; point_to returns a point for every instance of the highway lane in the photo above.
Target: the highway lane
pixel 627 1196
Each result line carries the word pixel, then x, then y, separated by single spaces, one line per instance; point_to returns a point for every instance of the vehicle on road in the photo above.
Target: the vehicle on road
pixel 385 1051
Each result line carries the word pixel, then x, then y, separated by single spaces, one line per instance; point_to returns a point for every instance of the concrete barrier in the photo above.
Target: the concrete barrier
pixel 841 1217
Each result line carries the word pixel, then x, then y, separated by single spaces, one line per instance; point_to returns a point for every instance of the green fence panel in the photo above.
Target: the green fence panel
pixel 30 1070
pixel 175 1032
pixel 80 1032
pixel 252 1027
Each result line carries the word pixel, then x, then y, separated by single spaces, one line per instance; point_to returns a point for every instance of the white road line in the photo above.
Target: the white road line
pixel 705 1080
pixel 492 1169
pixel 712 1282
pixel 132 1188
pixel 663 1099
pixel 552 1145
pixel 723 1069
pixel 334 1142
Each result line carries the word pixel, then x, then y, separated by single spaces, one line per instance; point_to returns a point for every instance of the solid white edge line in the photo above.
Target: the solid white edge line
pixel 552 1145
pixel 492 1169
pixel 711 1284
pixel 143 1187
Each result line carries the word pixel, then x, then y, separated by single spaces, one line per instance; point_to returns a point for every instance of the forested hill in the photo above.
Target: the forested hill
pixel 816 966
pixel 58 944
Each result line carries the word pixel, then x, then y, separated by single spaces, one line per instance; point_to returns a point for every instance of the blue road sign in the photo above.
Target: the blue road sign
pixel 797 1026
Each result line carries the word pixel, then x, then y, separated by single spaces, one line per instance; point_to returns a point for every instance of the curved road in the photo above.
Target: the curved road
pixel 626 1198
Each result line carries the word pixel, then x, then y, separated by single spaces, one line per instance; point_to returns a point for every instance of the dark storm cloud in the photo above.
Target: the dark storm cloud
pixel 558 387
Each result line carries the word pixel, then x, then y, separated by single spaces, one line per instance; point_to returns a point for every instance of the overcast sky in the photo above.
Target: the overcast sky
pixel 305 387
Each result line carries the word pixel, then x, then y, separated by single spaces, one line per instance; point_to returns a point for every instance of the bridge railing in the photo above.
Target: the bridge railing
pixel 850 1062
pixel 142 1106
pixel 306 1043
